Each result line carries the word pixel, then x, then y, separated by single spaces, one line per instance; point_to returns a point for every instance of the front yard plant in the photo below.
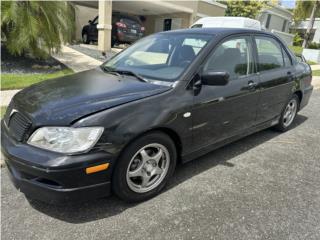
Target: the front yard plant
pixel 316 73
pixel 37 28
pixel 2 111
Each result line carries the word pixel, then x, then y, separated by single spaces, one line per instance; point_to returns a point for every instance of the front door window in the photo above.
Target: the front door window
pixel 233 56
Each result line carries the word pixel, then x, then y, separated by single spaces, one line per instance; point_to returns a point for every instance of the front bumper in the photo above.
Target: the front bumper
pixel 53 177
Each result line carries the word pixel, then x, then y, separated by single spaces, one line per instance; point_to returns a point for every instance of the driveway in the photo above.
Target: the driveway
pixel 265 186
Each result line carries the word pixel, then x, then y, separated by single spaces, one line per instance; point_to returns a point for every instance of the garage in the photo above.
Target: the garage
pixel 154 16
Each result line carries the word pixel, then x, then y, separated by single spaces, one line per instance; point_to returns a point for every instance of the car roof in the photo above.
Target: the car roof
pixel 224 32
pixel 217 31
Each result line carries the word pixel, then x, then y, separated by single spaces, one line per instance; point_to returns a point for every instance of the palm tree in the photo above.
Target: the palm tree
pixel 36 27
pixel 311 22
pixel 306 9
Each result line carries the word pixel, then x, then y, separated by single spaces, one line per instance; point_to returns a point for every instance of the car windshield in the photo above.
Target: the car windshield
pixel 161 57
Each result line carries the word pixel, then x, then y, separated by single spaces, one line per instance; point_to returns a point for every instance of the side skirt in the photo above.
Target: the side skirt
pixel 190 156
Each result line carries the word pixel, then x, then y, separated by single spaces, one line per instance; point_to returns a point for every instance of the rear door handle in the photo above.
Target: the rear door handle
pixel 252 85
pixel 290 75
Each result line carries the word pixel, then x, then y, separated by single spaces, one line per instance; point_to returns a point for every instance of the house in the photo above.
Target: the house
pixel 302 26
pixel 156 13
pixel 276 19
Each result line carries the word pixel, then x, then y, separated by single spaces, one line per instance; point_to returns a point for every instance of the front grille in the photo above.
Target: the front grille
pixel 18 125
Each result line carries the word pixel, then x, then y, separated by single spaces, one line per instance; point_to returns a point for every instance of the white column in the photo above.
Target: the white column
pixel 104 25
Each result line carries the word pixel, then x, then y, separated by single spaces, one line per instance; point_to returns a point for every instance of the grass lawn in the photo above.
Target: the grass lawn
pixel 316 73
pixel 18 81
pixel 3 110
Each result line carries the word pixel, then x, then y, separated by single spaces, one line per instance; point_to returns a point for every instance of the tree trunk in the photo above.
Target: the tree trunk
pixel 310 25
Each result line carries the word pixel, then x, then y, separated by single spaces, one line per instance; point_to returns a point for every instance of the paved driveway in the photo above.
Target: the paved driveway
pixel 266 186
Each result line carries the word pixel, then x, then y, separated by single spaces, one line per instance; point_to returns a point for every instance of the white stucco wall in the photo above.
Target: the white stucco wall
pixel 316 37
pixel 311 55
pixel 276 21
pixel 286 37
pixel 303 25
pixel 278 16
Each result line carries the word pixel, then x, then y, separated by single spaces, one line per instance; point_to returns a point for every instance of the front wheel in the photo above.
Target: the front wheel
pixel 288 114
pixel 144 167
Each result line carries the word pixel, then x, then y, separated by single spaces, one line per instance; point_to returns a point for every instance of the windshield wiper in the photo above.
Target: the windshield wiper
pixel 125 72
pixel 110 70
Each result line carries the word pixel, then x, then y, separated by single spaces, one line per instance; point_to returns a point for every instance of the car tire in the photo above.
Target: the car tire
pixel 85 38
pixel 144 167
pixel 113 42
pixel 288 114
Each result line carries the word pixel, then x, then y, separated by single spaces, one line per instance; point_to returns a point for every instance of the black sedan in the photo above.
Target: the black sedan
pixel 125 29
pixel 168 98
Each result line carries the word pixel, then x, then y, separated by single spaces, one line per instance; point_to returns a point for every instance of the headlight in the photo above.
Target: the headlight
pixel 66 139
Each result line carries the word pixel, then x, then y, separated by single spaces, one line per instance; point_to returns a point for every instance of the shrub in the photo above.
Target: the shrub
pixel 296 49
pixel 314 45
pixel 297 40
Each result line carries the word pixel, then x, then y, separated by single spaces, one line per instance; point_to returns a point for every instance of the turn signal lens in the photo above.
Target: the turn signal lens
pixel 97 168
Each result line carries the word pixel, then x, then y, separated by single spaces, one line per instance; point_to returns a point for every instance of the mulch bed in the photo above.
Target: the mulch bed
pixel 24 64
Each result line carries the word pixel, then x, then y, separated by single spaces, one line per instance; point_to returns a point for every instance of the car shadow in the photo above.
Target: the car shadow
pixel 106 207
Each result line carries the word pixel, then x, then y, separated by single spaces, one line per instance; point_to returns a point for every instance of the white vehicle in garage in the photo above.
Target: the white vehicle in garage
pixel 227 22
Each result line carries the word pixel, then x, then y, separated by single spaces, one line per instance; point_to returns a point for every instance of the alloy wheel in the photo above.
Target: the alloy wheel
pixel 148 167
pixel 290 112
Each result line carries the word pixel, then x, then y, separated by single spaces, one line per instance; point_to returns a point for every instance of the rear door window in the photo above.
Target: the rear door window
pixel 130 21
pixel 270 54
pixel 286 58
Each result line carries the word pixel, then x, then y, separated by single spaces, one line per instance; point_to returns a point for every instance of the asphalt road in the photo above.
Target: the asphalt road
pixel 265 186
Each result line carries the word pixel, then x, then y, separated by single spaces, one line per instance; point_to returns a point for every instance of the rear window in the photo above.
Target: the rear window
pixel 129 19
pixel 197 26
pixel 196 44
pixel 300 58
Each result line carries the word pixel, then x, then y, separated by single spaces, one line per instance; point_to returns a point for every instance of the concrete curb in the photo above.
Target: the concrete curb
pixel 316 82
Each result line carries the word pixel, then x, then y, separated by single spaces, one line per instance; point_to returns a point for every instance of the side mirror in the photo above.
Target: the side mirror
pixel 90 21
pixel 212 78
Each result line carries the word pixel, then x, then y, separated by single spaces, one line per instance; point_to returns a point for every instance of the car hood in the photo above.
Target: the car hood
pixel 63 100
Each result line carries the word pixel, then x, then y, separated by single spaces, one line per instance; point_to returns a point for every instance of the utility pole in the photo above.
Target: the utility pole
pixel 310 25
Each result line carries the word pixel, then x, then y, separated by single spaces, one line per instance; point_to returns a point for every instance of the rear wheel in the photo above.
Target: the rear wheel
pixel 144 167
pixel 113 41
pixel 288 114
pixel 85 38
